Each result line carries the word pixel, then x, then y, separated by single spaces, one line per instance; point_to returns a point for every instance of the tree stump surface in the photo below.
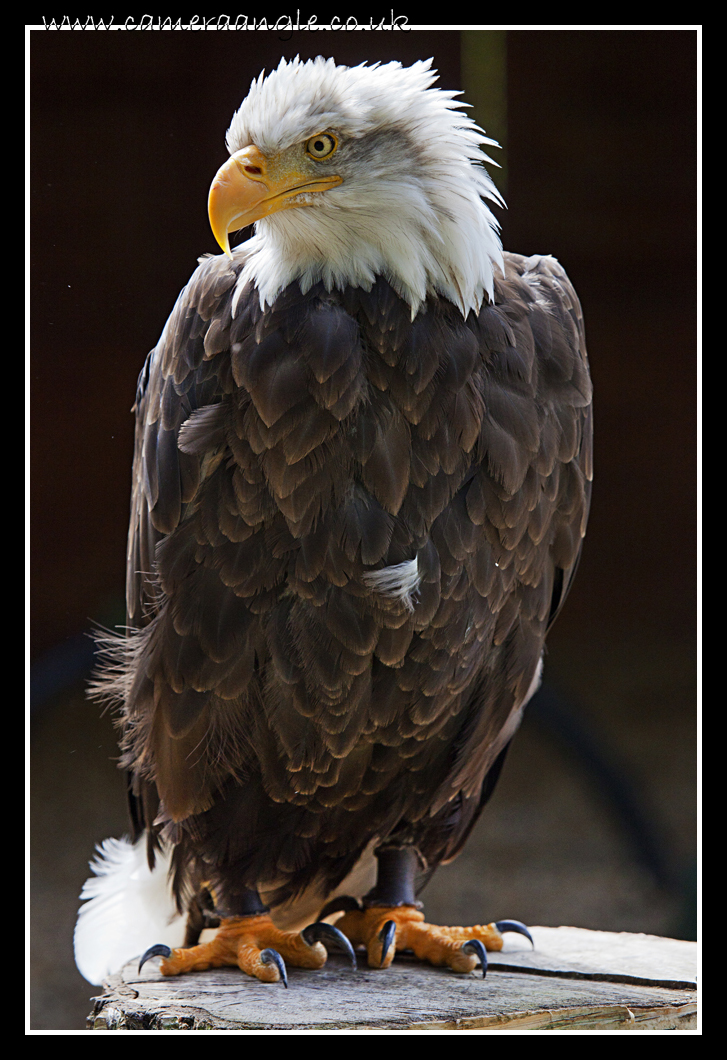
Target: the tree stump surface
pixel 573 979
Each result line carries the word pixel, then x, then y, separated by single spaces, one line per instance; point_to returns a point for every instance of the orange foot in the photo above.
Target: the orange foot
pixel 257 946
pixel 384 929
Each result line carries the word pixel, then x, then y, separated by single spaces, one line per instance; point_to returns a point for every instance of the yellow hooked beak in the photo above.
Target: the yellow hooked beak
pixel 250 186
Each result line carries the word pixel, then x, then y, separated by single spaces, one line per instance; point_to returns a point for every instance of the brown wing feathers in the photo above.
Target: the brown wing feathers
pixel 283 454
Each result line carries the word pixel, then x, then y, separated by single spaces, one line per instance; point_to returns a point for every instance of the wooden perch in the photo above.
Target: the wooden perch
pixel 573 980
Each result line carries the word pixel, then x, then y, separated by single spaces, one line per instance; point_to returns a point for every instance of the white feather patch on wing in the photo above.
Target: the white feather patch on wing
pixel 399 582
pixel 129 908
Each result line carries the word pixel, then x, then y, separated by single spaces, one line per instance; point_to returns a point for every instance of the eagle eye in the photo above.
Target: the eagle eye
pixel 321 146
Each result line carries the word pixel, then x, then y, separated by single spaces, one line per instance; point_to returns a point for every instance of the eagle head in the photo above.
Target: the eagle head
pixel 350 173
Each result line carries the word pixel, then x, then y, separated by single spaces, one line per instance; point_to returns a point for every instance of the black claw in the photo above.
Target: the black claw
pixel 270 956
pixel 477 949
pixel 386 935
pixel 330 936
pixel 158 950
pixel 514 925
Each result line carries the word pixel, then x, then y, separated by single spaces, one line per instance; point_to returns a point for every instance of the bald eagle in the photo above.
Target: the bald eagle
pixel 361 483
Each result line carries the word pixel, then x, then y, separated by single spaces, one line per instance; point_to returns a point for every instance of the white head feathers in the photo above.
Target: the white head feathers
pixel 410 207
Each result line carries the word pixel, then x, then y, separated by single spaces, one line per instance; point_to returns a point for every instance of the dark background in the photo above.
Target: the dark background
pixel 593 823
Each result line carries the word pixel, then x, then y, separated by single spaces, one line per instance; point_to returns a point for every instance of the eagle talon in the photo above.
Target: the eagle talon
pixel 386 936
pixel 157 950
pixel 330 936
pixel 270 956
pixel 476 949
pixel 514 925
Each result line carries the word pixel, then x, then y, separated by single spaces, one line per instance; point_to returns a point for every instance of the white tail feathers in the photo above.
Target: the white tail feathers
pixel 129 908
